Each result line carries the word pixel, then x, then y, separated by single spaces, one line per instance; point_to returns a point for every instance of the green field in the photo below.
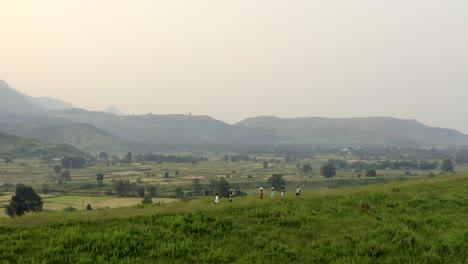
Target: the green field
pixel 83 189
pixel 420 221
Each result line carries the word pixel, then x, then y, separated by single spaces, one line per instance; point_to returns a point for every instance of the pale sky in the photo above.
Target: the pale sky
pixel 243 58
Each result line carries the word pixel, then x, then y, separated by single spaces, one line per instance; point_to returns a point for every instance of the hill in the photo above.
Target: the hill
pixel 421 221
pixel 356 131
pixel 16 147
pixel 57 130
pixel 168 132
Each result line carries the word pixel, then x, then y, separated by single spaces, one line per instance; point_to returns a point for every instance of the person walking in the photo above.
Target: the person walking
pixel 217 198
pixel 272 192
pixel 298 191
pixel 231 195
pixel 282 190
pixel 261 192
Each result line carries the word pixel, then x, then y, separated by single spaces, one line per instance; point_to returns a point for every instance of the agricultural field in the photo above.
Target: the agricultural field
pixel 83 188
pixel 418 221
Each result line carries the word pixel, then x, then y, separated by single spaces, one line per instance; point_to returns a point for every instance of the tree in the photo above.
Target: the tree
pixel 276 180
pixel 328 171
pixel 8 160
pixel 223 187
pixel 57 169
pixel 196 187
pixel 166 174
pixel 371 173
pixel 265 164
pixel 46 188
pixel 462 156
pixel 152 190
pixel 25 200
pixel 88 207
pixel 425 165
pixel 100 178
pixel 339 163
pixel 220 186
pixel 447 166
pixel 147 199
pixel 141 191
pixel 66 175
pixel 103 156
pixel 179 192
pixel 306 168
pixel 124 188
pixel 128 158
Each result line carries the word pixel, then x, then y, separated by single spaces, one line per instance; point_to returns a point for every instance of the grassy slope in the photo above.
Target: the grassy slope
pixel 421 221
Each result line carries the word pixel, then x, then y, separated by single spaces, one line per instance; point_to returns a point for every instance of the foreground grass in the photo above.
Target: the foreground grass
pixel 422 221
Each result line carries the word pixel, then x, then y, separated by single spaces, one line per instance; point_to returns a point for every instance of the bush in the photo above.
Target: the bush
pixel 371 173
pixel 147 200
pixel 69 209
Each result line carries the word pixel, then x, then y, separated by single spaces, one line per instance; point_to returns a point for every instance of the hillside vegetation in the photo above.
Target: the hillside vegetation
pixel 17 147
pixel 350 131
pixel 421 221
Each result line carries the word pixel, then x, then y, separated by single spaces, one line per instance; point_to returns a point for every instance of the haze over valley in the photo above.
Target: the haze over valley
pixel 233 131
pixel 94 131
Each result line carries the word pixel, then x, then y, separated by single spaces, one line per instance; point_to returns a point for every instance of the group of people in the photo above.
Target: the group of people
pixel 231 193
pixel 231 196
pixel 298 191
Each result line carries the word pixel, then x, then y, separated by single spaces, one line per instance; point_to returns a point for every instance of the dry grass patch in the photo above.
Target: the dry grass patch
pixel 191 177
pixel 79 202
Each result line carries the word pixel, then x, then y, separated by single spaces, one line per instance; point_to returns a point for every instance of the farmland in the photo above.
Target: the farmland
pixel 83 188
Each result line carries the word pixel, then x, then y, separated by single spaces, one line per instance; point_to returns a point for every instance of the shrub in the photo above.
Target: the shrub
pixel 147 200
pixel 69 209
pixel 371 173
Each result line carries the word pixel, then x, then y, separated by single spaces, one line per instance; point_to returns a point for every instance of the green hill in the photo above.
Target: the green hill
pixel 61 131
pixel 168 131
pixel 422 221
pixel 16 147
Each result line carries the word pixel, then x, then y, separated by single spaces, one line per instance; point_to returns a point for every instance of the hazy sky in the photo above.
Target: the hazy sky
pixel 242 58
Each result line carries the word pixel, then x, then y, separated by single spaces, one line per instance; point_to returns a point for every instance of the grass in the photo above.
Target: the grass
pixel 420 221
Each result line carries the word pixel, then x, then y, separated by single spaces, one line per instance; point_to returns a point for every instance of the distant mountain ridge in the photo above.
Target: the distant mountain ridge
pixel 113 110
pixel 13 101
pixel 369 130
pixel 49 103
pixel 9 94
pixel 96 131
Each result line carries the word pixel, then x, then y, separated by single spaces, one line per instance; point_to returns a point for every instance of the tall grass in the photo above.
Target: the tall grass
pixel 421 221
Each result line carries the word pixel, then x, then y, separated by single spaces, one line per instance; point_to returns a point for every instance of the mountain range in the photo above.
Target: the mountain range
pixel 54 121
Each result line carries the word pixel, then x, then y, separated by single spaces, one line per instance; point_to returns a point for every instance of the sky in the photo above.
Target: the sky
pixel 243 58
